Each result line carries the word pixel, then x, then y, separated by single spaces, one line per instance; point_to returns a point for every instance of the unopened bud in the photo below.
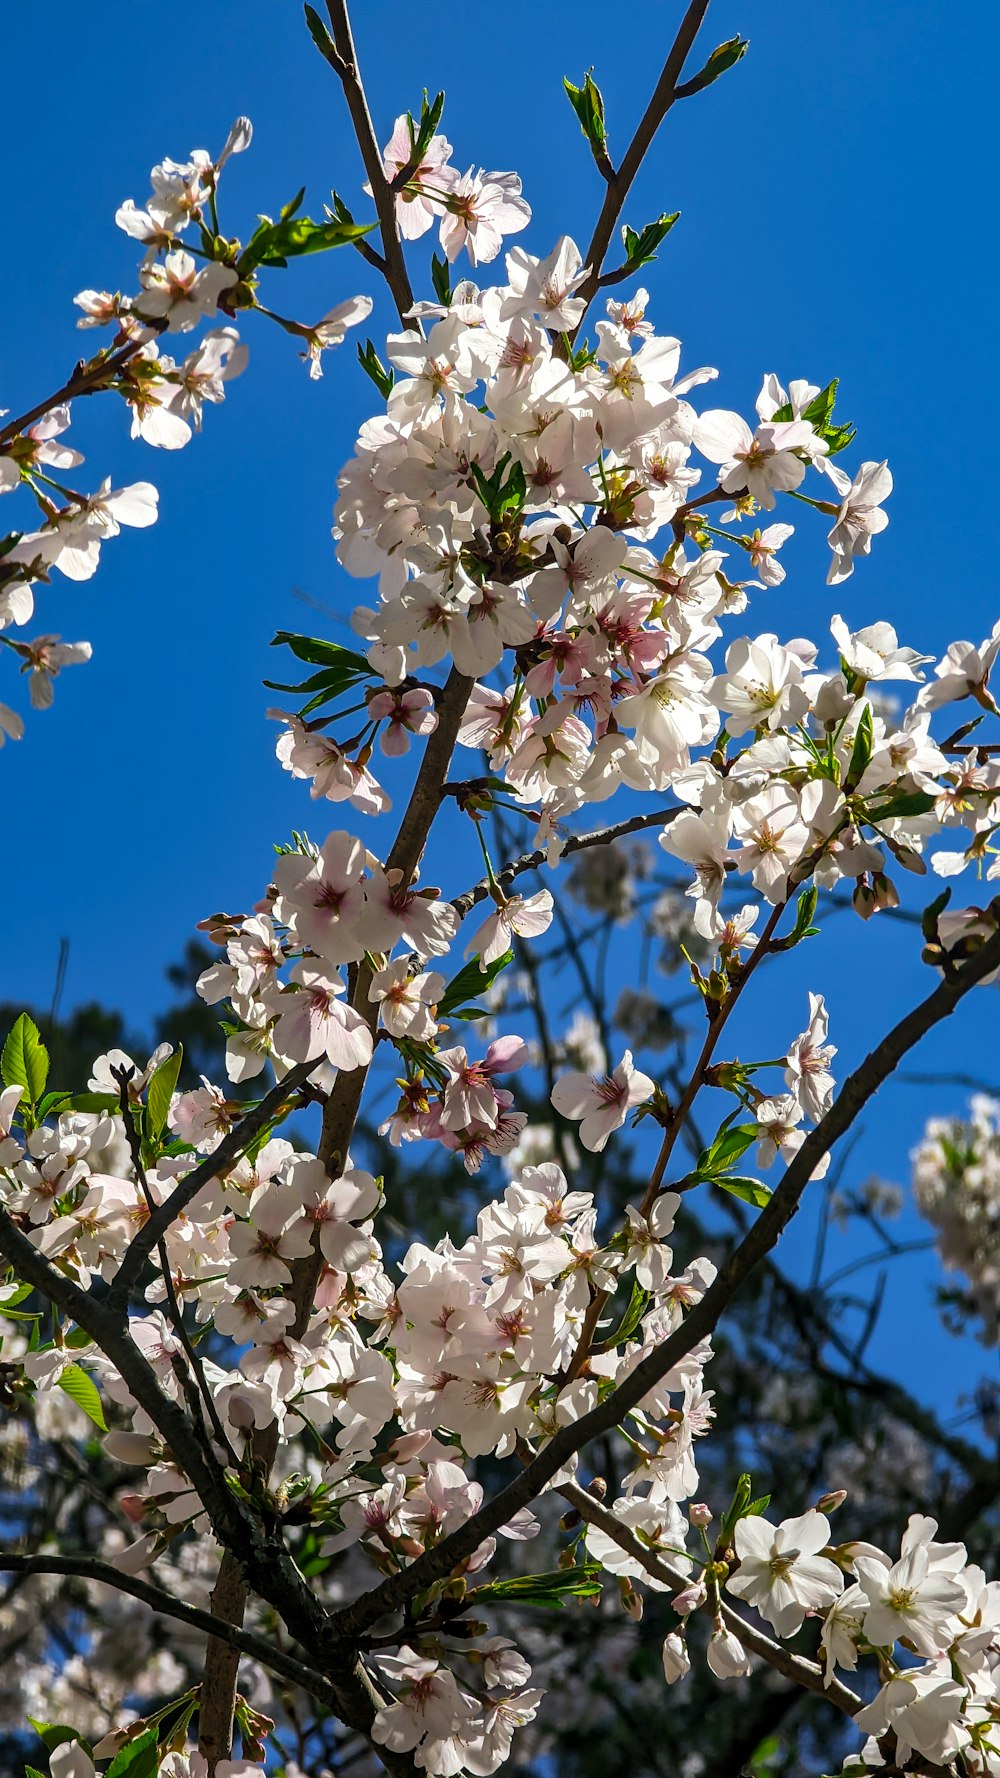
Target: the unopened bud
pixel 700 1515
pixel 828 1503
pixel 690 1598
pixel 863 900
pixel 886 895
pixel 676 1660
pixel 907 859
pixel 598 1487
pixel 631 1600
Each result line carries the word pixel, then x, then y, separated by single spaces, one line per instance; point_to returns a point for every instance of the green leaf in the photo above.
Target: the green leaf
pixel 421 134
pixel 320 653
pixel 25 1060
pixel 547 1590
pixel 441 280
pixel 641 248
pixel 137 1759
pixel 805 913
pixel 275 243
pixel 719 62
pixel 637 1305
pixel 750 1190
pixel 758 1506
pixel 730 1145
pixel 16 1296
pixel 932 914
pixel 83 1390
pixel 319 33
pixel 54 1734
pixel 91 1102
pixel 33 1772
pixel 861 752
pixel 372 365
pixel 911 802
pixel 470 982
pixel 162 1087
pixel 588 103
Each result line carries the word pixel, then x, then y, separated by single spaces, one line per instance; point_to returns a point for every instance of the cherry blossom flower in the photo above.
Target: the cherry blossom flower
pixel 601 1105
pixel 781 1572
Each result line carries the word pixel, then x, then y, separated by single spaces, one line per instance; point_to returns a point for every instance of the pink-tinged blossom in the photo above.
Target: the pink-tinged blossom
pixel 421 200
pixel 406 713
pixel 601 1105
pixel 332 331
pixel 481 209
pixel 808 1063
pixel 314 1022
pixel 408 1002
pixel 764 462
pixel 525 917
pixel 178 293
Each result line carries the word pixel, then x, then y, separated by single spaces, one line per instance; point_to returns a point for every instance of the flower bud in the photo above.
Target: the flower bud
pixel 886 895
pixel 699 1515
pixel 690 1598
pixel 828 1503
pixel 676 1660
pixel 863 900
pixel 631 1600
pixel 726 1655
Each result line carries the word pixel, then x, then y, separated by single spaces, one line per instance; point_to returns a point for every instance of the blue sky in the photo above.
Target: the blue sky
pixel 837 191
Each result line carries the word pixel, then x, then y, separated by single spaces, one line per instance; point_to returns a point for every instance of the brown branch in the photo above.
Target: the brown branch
pixel 262 1557
pixel 577 842
pixel 340 53
pixel 90 1568
pixel 805 1673
pixel 340 1113
pixel 665 95
pixel 87 379
pixel 700 1322
pixel 230 1150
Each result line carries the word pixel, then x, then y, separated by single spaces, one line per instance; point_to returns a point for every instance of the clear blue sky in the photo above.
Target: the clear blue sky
pixel 839 218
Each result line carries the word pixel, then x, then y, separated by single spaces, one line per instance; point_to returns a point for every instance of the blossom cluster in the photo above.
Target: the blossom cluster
pixel 956 1184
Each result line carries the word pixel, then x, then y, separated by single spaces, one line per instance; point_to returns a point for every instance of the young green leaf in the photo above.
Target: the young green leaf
pixel 470 982
pixel 25 1060
pixel 750 1190
pixel 83 1390
pixel 162 1087
pixel 547 1590
pixel 137 1759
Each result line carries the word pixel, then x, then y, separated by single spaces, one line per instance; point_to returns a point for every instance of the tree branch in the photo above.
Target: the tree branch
pixel 805 1673
pixel 665 95
pixel 699 1324
pixel 231 1149
pixel 342 57
pixel 577 842
pixel 90 1568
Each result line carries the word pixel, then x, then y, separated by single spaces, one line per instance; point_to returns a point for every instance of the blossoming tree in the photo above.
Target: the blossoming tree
pixel 359 1438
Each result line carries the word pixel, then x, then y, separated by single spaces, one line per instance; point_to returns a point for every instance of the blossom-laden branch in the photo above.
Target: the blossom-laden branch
pixel 574 842
pixel 698 1325
pixel 803 1672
